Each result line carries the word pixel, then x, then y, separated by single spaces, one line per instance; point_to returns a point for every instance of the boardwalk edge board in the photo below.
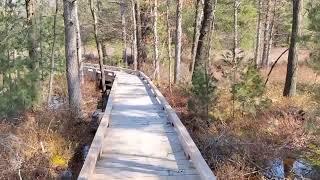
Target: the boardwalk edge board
pixel 188 144
pixel 97 143
pixel 189 147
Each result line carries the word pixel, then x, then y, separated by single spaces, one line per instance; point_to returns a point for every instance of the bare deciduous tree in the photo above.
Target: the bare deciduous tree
pixel 196 33
pixel 156 41
pixel 79 44
pixel 177 70
pixel 169 42
pixel 257 53
pixel 139 35
pixel 134 36
pixel 98 44
pixel 124 31
pixel 267 20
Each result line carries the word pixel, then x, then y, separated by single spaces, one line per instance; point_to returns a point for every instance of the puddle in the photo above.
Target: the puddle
pixel 291 169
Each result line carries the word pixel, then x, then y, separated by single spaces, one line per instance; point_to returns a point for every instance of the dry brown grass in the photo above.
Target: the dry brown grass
pixel 305 74
pixel 41 143
pixel 240 148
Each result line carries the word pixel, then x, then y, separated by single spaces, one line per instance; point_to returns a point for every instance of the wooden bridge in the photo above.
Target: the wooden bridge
pixel 140 136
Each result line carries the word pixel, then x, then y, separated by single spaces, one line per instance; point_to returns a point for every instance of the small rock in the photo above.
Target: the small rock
pixel 66 175
pixel 85 151
pixel 95 120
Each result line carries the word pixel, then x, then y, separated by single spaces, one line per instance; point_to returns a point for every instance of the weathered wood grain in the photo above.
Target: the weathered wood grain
pixel 140 142
pixel 97 143
pixel 189 146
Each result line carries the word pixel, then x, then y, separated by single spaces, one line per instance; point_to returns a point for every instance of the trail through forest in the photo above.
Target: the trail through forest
pixel 243 76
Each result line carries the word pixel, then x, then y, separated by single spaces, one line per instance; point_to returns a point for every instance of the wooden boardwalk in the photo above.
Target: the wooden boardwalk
pixel 140 141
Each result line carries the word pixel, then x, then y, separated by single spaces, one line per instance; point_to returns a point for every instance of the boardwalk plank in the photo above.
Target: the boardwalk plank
pixel 140 142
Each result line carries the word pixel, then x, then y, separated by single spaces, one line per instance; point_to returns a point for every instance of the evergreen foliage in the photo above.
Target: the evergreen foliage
pixel 16 77
pixel 248 92
pixel 203 93
pixel 314 27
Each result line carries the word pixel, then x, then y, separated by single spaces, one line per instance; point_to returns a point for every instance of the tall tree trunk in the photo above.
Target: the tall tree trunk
pixel 292 67
pixel 40 39
pixel 177 69
pixel 204 44
pixel 169 42
pixel 98 44
pixel 235 47
pixel 212 33
pixel 134 38
pixel 139 35
pixel 235 30
pixel 124 31
pixel 156 42
pixel 264 62
pixel 52 52
pixel 74 91
pixel 196 33
pixel 33 45
pixel 270 34
pixel 79 44
pixel 257 54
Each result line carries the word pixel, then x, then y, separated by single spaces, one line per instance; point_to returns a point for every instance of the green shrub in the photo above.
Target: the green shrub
pixel 203 93
pixel 249 91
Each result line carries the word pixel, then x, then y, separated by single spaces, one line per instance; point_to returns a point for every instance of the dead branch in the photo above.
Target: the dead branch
pixel 273 65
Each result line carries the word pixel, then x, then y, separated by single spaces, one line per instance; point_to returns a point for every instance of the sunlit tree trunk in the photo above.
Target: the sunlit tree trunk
pixel 124 31
pixel 292 67
pixel 156 42
pixel 257 54
pixel 204 44
pixel 177 69
pixel 134 38
pixel 98 44
pixel 169 42
pixel 139 35
pixel 79 44
pixel 196 33
pixel 264 62
pixel 74 91
pixel 270 33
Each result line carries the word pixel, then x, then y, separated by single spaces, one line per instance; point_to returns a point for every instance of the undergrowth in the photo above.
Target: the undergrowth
pixel 43 142
pixel 240 146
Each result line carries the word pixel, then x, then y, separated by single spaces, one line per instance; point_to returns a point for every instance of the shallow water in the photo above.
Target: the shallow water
pixel 291 169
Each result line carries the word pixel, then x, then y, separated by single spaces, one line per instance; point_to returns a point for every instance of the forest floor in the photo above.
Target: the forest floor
pixel 283 141
pixel 46 142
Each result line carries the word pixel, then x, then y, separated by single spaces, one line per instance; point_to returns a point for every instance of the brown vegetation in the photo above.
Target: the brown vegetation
pixel 241 148
pixel 43 142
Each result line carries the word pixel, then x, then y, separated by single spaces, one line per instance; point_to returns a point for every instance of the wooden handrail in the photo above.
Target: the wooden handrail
pixel 189 147
pixel 97 143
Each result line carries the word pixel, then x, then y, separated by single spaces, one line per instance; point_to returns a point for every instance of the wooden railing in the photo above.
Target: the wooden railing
pixel 189 147
pixel 97 143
